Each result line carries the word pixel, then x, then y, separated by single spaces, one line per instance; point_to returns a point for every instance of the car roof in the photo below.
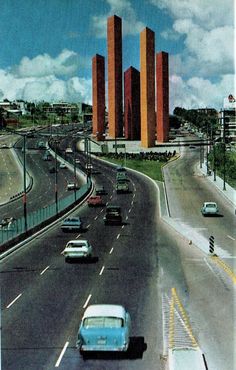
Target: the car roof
pixel 97 310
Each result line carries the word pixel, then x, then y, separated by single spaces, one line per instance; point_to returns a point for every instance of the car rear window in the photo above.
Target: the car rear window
pixel 211 205
pixel 103 322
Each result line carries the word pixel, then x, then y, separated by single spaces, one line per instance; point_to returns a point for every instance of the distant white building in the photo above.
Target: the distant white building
pixel 228 118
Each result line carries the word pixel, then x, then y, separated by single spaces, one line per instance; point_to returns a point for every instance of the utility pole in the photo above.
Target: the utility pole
pixel 24 184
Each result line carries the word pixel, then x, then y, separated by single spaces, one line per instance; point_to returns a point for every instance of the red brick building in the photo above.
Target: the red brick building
pixel 147 87
pixel 98 86
pixel 162 96
pixel 114 46
pixel 132 104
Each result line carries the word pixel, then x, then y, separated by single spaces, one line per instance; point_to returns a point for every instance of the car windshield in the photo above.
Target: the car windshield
pixel 77 245
pixel 211 205
pixel 103 322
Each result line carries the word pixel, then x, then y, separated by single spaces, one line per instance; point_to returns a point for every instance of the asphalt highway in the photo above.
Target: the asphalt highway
pixel 135 264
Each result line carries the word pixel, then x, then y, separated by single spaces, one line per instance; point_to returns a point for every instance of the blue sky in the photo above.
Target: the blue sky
pixel 47 46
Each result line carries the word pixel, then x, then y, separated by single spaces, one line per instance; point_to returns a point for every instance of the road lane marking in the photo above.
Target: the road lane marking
pixel 129 210
pixel 88 226
pixel 95 218
pixel 127 217
pixel 230 237
pixel 41 273
pixel 122 226
pixel 77 236
pixel 102 269
pixel 14 300
pixel 111 250
pixel 87 301
pixel 225 267
pixel 118 236
pixel 62 354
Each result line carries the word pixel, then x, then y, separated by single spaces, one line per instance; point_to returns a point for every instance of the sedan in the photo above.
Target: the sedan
pixel 77 249
pixel 94 200
pixel 209 209
pixel 71 223
pixel 104 327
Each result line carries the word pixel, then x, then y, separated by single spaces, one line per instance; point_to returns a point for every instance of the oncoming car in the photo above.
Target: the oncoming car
pixel 209 209
pixel 104 327
pixel 77 249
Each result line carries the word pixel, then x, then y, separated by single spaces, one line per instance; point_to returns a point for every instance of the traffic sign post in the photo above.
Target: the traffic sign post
pixel 211 244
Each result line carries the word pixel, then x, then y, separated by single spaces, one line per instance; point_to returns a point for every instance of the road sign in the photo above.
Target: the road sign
pixel 211 244
pixel 119 146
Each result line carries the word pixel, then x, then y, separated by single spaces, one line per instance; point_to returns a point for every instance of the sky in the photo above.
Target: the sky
pixel 46 47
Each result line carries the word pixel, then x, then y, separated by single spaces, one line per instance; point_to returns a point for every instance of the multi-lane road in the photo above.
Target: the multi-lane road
pixel 136 264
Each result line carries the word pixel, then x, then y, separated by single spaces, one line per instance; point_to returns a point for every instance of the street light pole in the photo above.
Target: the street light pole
pixel 224 156
pixel 56 178
pixel 24 184
pixel 74 176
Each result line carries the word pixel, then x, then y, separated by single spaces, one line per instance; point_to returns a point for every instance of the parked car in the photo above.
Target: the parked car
pixel 69 150
pixel 209 209
pixel 94 200
pixel 100 190
pixel 112 215
pixel 104 327
pixel 72 186
pixel 77 249
pixel 72 223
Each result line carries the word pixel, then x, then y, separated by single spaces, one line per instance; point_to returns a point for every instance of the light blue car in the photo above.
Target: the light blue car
pixel 104 328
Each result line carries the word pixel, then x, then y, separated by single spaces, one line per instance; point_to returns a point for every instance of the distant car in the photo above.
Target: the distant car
pixel 52 170
pixel 77 161
pixel 63 165
pixel 69 150
pixel 8 224
pixel 209 209
pixel 112 215
pixel 72 186
pixel 72 223
pixel 94 200
pixel 104 327
pixel 100 190
pixel 77 249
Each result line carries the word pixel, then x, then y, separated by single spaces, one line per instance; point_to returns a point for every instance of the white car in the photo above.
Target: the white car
pixel 209 209
pixel 72 186
pixel 77 249
pixel 69 150
pixel 62 165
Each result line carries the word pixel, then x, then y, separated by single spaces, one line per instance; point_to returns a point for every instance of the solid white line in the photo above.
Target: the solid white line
pixel 10 304
pixel 102 269
pixel 111 250
pixel 87 301
pixel 118 236
pixel 230 237
pixel 62 354
pixel 41 273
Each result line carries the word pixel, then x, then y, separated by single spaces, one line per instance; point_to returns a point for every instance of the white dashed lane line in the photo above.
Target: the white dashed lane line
pixel 87 301
pixel 14 300
pixel 111 250
pixel 62 354
pixel 230 237
pixel 102 269
pixel 46 268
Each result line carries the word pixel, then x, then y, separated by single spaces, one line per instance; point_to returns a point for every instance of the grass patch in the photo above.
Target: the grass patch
pixel 149 168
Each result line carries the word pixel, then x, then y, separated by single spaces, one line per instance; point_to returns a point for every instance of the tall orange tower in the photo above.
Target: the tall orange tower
pixel 162 96
pixel 98 86
pixel 114 47
pixel 147 87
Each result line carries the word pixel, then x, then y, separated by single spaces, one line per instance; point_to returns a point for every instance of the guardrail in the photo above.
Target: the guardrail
pixel 15 230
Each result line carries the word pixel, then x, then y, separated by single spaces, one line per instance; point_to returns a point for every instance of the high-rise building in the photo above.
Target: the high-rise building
pixel 147 87
pixel 132 104
pixel 114 46
pixel 98 86
pixel 162 96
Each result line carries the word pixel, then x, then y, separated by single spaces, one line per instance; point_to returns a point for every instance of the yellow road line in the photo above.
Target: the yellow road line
pixel 226 268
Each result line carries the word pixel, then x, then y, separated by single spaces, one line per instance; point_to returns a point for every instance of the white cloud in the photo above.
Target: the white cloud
pixel 198 92
pixel 37 79
pixel 65 63
pixel 123 9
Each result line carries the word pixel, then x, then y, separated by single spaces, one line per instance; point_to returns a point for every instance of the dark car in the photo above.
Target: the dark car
pixel 112 215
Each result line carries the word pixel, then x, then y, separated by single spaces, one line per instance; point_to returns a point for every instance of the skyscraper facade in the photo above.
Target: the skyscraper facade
pixel 162 96
pixel 132 104
pixel 114 46
pixel 147 87
pixel 98 95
